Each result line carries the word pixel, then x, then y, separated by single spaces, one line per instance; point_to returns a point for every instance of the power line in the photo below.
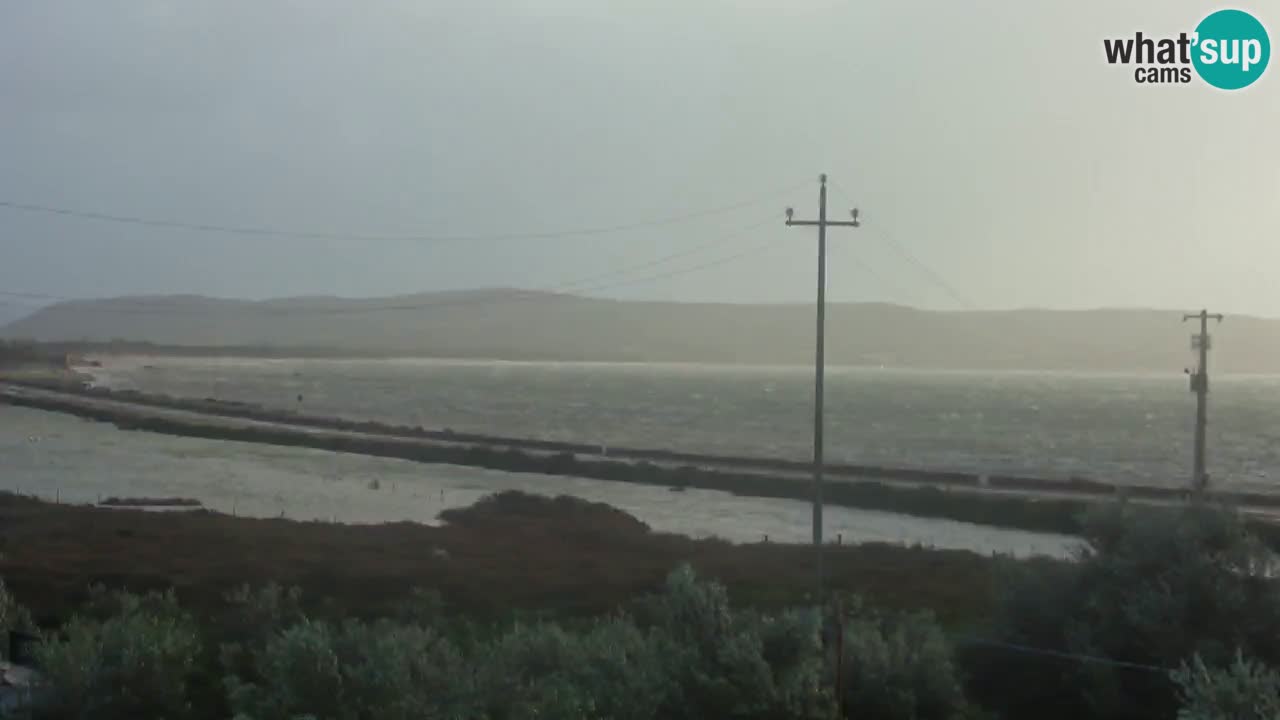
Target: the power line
pixel 550 292
pixel 685 271
pixel 910 257
pixel 1089 659
pixel 146 307
pixel 553 292
pixel 849 252
pixel 937 279
pixel 277 232
pixel 673 256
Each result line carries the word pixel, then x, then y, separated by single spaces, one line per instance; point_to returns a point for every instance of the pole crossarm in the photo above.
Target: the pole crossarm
pixel 829 223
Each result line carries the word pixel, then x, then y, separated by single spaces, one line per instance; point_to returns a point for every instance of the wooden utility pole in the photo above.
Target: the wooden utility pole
pixel 822 224
pixel 1200 386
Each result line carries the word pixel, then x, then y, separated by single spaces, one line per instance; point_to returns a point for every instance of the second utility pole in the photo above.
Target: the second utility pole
pixel 819 361
pixel 1200 386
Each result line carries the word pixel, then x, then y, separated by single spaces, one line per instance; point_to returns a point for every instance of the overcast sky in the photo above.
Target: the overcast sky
pixel 990 139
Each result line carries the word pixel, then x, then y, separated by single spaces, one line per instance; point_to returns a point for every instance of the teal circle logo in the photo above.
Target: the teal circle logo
pixel 1231 49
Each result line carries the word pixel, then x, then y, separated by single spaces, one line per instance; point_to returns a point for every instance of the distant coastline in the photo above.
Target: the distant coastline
pixel 541 327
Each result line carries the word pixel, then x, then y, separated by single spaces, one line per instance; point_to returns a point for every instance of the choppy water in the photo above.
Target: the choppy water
pixel 59 456
pixel 1117 428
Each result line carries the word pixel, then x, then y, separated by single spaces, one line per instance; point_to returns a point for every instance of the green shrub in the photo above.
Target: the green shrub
pixel 134 663
pixel 899 669
pixel 1152 587
pixel 13 616
pixel 791 645
pixel 422 607
pixel 717 659
pixel 692 612
pixel 1243 691
pixel 610 671
pixel 301 676
pixel 403 672
pixel 687 655
pixel 270 607
pixel 384 671
pixel 252 619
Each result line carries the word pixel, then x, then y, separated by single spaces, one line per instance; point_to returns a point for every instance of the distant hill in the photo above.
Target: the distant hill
pixel 11 313
pixel 520 325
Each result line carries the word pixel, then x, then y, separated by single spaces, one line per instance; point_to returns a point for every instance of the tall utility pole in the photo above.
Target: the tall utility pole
pixel 819 361
pixel 1200 386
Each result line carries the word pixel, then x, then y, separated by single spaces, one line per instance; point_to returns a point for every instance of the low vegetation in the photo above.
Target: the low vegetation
pixel 1151 592
pixel 683 653
pixel 13 616
pixel 19 354
pixel 510 553
pixel 1165 612
pixel 1244 690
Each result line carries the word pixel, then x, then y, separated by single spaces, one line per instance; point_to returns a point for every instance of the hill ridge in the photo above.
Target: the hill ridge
pixel 515 324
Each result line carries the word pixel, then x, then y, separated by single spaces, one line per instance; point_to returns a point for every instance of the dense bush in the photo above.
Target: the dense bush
pixel 13 616
pixel 134 662
pixel 254 616
pixel 686 654
pixel 720 661
pixel 610 670
pixel 690 656
pixel 1151 589
pixel 1243 691
pixel 900 668
pixel 383 670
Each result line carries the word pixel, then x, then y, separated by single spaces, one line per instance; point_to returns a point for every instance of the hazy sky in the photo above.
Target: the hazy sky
pixel 989 138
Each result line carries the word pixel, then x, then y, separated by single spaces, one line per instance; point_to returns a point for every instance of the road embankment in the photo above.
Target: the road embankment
pixel 1044 508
